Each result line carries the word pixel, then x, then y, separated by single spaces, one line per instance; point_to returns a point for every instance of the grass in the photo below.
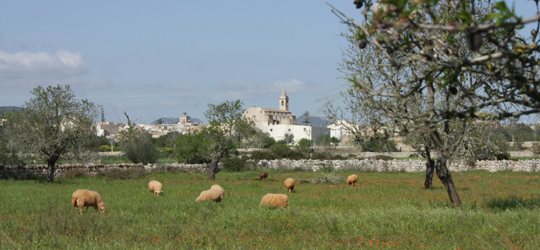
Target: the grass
pixel 386 210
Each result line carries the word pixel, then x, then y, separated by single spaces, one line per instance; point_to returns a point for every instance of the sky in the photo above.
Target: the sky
pixel 156 59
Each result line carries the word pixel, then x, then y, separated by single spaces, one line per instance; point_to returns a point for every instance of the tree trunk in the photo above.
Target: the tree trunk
pixel 430 168
pixel 446 179
pixel 213 168
pixel 51 170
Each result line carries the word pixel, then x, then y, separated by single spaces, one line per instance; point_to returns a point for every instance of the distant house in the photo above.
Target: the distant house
pixel 278 122
pixel 342 130
pixel 109 129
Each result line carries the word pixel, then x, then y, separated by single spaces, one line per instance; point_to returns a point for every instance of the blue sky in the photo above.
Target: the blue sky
pixel 162 58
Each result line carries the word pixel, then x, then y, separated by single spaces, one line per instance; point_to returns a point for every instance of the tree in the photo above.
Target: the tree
pixel 306 120
pixel 138 145
pixel 227 129
pixel 430 66
pixel 52 124
pixel 193 148
pixel 304 147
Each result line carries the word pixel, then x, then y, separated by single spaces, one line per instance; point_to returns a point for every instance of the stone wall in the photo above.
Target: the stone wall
pixel 37 171
pixel 396 165
pixel 40 171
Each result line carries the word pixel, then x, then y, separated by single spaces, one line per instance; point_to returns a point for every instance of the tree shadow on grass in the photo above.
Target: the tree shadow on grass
pixel 513 202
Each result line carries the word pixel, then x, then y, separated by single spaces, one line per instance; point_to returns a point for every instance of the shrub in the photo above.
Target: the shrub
pixel 235 164
pixel 377 143
pixel 141 149
pixel 536 148
pixel 104 148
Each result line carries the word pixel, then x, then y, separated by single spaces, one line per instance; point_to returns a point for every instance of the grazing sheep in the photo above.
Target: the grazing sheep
pixel 275 200
pixel 289 184
pixel 155 187
pixel 263 176
pixel 352 179
pixel 210 195
pixel 83 199
pixel 218 188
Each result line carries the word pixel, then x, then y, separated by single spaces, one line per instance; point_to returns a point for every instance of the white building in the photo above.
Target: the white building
pixel 342 130
pixel 278 122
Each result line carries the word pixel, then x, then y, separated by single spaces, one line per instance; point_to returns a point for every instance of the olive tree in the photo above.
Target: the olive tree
pixel 52 124
pixel 431 65
pixel 227 129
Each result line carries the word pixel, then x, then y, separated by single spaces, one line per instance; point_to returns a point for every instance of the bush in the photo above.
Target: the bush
pixel 378 144
pixel 235 164
pixel 104 148
pixel 262 155
pixel 141 149
pixel 536 148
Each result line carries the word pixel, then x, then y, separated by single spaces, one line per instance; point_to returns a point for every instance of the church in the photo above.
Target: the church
pixel 278 122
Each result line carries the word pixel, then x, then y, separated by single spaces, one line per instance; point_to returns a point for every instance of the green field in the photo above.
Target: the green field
pixel 387 210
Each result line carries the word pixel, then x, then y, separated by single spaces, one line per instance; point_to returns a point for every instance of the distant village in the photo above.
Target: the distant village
pixel 277 122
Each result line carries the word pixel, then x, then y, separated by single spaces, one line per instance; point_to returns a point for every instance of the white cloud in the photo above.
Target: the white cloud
pixel 21 65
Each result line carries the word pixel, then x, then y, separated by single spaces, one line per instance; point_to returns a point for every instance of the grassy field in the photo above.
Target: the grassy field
pixel 387 210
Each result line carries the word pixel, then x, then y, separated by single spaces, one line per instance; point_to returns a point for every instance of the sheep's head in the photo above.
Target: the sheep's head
pixel 158 192
pixel 101 208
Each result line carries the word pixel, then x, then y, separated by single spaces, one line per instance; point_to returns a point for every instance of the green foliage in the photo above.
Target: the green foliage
pixel 281 150
pixel 193 148
pixel 377 143
pixel 304 147
pixel 138 146
pixel 52 124
pixel 482 143
pixel 235 164
pixel 288 138
pixel 104 148
pixel 536 148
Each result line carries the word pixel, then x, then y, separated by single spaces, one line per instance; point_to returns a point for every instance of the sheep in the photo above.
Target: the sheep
pixel 210 195
pixel 82 199
pixel 155 187
pixel 289 184
pixel 275 200
pixel 263 176
pixel 218 188
pixel 352 179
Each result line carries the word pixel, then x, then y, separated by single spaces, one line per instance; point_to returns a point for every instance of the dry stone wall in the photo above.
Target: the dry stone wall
pixel 396 165
pixel 25 172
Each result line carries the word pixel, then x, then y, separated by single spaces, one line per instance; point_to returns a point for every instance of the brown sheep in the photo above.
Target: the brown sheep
pixel 352 179
pixel 289 184
pixel 275 200
pixel 210 195
pixel 155 187
pixel 82 199
pixel 263 176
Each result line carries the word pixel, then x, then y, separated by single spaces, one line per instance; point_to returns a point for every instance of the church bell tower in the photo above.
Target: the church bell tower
pixel 283 101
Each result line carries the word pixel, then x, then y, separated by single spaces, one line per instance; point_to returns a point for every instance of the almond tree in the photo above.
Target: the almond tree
pixel 432 65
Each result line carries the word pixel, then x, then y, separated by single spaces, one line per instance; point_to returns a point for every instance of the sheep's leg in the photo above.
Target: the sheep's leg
pixel 80 206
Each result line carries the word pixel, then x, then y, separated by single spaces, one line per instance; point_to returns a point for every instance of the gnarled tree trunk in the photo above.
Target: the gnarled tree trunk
pixel 430 169
pixel 446 179
pixel 213 167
